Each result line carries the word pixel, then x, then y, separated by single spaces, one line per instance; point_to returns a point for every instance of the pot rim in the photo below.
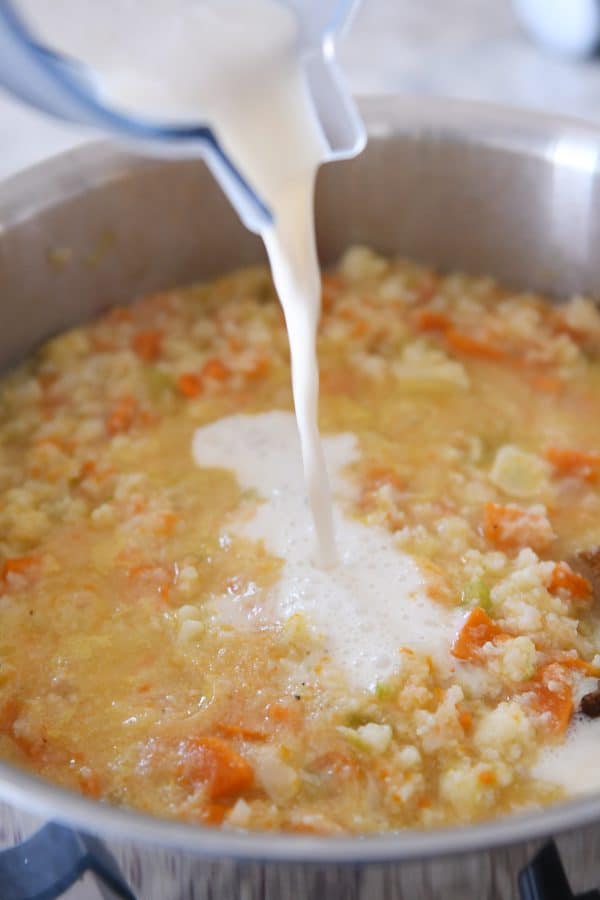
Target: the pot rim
pixel 558 139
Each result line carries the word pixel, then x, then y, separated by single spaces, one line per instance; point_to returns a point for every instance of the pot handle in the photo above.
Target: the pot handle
pixel 54 858
pixel 545 879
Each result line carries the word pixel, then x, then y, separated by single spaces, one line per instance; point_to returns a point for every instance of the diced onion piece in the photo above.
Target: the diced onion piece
pixel 371 737
pixel 239 815
pixel 191 630
pixel 518 473
pixel 278 779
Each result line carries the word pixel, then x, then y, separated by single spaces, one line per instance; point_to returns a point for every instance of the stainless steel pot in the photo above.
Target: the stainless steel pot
pixel 461 186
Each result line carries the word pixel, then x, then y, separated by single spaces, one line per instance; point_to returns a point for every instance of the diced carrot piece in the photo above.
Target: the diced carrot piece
pixel 167 522
pixel 19 565
pixel 477 631
pixel 361 328
pixel 90 784
pixel 190 384
pixel 147 345
pixel 574 462
pixel 552 695
pixel 510 527
pixel 213 762
pixel 431 320
pixel 475 347
pixel 259 369
pixel 331 281
pixel 285 713
pixel 580 665
pixel 466 721
pixel 214 813
pixel 564 578
pixel 122 416
pixel 331 285
pixel 215 368
pixel 138 504
pixel 316 828
pixel 229 730
pixel 10 709
pixel 487 777
pixel 88 468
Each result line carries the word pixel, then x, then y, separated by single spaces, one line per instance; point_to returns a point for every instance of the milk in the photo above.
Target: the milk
pixel 572 764
pixel 232 64
pixel 365 608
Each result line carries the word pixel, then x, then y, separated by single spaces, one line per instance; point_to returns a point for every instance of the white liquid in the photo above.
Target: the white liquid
pixel 232 63
pixel 372 603
pixel 572 764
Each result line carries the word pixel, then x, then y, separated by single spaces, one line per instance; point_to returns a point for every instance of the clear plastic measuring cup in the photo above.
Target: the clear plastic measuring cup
pixel 67 89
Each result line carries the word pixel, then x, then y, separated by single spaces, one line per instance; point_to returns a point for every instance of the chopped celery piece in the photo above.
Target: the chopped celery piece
pixel 477 593
pixel 384 690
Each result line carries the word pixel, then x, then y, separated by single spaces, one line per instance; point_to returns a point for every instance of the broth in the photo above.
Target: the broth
pixel 162 644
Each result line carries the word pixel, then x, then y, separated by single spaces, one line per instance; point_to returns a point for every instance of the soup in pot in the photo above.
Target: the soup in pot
pixel 169 639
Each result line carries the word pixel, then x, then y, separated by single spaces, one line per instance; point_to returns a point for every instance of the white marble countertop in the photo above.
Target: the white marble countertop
pixel 471 49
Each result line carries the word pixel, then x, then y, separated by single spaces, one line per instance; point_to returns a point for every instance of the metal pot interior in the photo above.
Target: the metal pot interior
pixel 456 185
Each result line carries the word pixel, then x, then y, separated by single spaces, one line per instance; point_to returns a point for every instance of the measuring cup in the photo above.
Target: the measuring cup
pixel 67 89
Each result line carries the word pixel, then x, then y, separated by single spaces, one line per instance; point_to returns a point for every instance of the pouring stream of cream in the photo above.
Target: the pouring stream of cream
pixel 235 65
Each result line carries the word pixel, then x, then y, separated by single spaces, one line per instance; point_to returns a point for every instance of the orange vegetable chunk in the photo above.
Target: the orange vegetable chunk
pixel 19 565
pixel 431 320
pixel 475 347
pixel 215 368
pixel 564 578
pixel 231 730
pixel 578 463
pixel 477 631
pixel 190 384
pixel 211 760
pixel 552 695
pixel 147 345
pixel 511 527
pixel 581 665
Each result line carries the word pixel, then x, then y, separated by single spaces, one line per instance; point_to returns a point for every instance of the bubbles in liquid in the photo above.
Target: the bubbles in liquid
pixel 368 606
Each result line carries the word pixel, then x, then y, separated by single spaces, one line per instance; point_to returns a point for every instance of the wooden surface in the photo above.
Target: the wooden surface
pixel 154 874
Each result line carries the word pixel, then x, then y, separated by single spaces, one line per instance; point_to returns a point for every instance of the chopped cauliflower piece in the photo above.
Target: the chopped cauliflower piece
pixel 504 732
pixel 518 473
pixel 426 368
pixel 360 263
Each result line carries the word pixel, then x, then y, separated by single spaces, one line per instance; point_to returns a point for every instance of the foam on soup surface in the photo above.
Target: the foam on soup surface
pixel 167 640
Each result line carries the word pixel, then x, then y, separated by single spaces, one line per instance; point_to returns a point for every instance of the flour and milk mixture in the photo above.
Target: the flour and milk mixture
pixel 172 636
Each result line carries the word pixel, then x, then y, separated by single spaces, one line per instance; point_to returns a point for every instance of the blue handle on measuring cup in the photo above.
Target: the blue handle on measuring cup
pixel 66 90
